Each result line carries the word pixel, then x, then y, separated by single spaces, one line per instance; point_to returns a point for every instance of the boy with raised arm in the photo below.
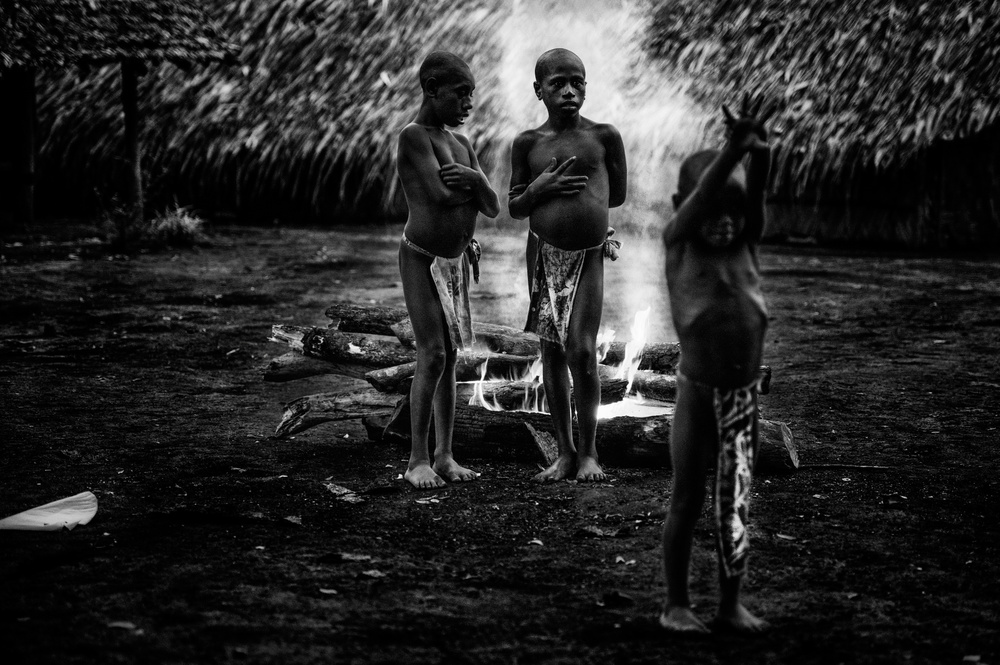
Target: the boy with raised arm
pixel 713 276
pixel 445 190
pixel 565 175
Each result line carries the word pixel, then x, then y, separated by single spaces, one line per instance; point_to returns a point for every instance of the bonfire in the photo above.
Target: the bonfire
pixel 500 408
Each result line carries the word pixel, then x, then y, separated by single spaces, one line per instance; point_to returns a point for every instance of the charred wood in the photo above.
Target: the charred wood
pixel 305 412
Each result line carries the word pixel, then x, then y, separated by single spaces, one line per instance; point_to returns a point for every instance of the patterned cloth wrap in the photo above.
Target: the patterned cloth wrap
pixel 451 279
pixel 736 419
pixel 737 430
pixel 554 285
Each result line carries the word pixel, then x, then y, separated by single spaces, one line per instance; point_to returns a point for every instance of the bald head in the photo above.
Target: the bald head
pixel 553 57
pixel 444 67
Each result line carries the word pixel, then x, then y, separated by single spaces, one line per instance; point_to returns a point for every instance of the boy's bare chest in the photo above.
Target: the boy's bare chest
pixel 589 153
pixel 448 150
pixel 693 267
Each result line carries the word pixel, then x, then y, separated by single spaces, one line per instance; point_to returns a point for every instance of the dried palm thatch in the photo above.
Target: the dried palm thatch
pixel 305 129
pixel 52 34
pixel 58 33
pixel 882 99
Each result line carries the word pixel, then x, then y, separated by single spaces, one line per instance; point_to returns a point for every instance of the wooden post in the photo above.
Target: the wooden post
pixel 131 69
pixel 22 142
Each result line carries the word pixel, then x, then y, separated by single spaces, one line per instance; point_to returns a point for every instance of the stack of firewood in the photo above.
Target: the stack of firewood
pixel 377 344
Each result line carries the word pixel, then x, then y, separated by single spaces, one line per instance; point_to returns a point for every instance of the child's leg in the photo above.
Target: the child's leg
pixel 732 614
pixel 433 345
pixel 692 450
pixel 555 379
pixel 581 356
pixel 444 425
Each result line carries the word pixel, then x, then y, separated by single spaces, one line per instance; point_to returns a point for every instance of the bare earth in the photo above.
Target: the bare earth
pixel 140 380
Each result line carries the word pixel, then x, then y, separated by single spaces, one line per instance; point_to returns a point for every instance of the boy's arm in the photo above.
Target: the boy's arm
pixel 702 201
pixel 757 175
pixel 415 160
pixel 520 176
pixel 614 161
pixel 526 194
pixel 473 179
pixel 744 134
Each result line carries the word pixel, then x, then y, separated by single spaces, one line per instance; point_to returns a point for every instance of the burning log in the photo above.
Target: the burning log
pixel 505 339
pixel 663 387
pixel 626 441
pixel 346 350
pixel 365 319
pixel 496 338
pixel 305 412
pixel 395 321
pixel 350 352
pixel 661 357
pixel 468 368
pixel 294 365
pixel 510 395
pixel 651 385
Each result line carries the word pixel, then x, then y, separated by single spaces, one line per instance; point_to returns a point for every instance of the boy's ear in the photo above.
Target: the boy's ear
pixel 538 89
pixel 431 86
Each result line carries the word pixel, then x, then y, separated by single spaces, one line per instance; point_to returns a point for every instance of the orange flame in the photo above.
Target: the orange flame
pixel 604 339
pixel 534 393
pixel 478 397
pixel 633 348
pixel 534 400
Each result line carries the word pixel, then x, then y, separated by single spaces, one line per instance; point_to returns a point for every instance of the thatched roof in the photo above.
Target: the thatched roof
pixel 863 82
pixel 306 128
pixel 57 33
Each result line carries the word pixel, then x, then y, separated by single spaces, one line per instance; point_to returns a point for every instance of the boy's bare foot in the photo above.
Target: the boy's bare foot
pixel 588 470
pixel 739 620
pixel 682 620
pixel 423 477
pixel 561 469
pixel 451 471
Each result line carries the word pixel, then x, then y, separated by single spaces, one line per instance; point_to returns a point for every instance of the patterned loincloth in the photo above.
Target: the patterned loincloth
pixel 451 279
pixel 554 284
pixel 737 430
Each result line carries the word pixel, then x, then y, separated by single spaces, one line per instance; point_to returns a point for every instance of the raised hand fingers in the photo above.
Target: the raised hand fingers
pixel 730 118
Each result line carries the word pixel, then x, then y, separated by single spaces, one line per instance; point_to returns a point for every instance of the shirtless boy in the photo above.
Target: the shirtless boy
pixel 445 190
pixel 713 276
pixel 565 175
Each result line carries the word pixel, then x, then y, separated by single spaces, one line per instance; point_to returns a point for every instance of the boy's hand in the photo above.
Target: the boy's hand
pixel 553 180
pixel 748 131
pixel 457 176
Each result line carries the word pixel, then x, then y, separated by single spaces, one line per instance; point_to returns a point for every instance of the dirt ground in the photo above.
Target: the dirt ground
pixel 140 379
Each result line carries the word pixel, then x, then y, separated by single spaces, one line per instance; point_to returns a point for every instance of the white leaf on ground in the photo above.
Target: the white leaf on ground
pixel 347 556
pixel 64 513
pixel 126 625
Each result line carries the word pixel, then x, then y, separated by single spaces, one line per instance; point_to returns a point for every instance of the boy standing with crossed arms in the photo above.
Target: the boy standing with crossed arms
pixel 445 191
